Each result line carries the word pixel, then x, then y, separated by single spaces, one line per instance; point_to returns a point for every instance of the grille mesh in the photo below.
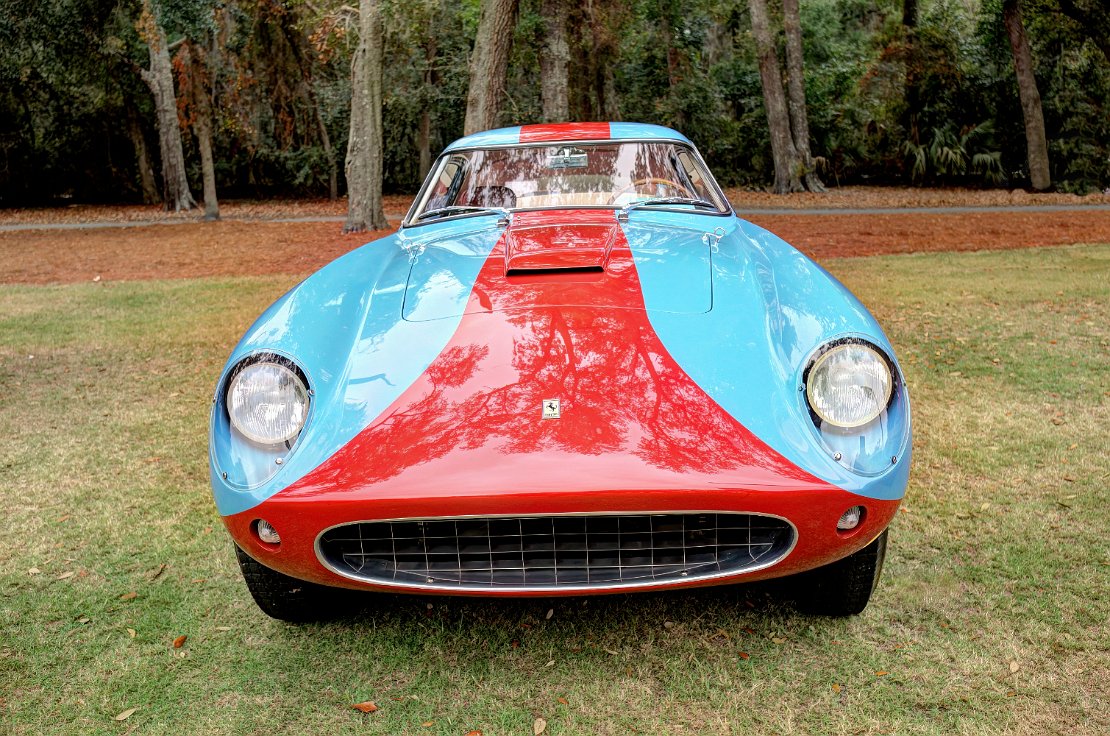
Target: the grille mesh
pixel 554 551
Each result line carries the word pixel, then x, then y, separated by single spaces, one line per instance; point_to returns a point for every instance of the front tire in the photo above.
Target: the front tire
pixel 844 587
pixel 289 599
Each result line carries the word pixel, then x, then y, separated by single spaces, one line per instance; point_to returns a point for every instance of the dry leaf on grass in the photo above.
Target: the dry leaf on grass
pixel 180 641
pixel 1014 666
pixel 881 673
pixel 474 733
pixel 158 572
pixel 34 571
pixel 368 706
pixel 778 640
pixel 131 633
pixel 563 701
pixel 129 596
pixel 66 575
pixel 550 613
pixel 124 715
pixel 744 655
pixel 835 687
pixel 539 726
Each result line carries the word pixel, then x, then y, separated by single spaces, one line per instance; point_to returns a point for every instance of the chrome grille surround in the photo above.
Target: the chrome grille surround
pixel 563 552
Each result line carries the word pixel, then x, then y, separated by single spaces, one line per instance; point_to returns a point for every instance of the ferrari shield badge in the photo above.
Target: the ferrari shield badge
pixel 550 409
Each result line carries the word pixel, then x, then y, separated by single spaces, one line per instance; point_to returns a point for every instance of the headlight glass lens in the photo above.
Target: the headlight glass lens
pixel 849 385
pixel 267 403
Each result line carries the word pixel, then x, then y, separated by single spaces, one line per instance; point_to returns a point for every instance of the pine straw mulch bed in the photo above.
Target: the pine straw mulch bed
pixel 255 246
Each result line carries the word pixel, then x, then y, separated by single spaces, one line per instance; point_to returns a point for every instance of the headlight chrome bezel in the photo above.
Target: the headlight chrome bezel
pixel 825 353
pixel 301 387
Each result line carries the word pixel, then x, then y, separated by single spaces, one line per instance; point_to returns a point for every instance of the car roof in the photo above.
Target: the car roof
pixel 567 132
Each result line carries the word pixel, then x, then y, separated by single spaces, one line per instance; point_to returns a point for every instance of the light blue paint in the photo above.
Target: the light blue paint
pixel 643 131
pixel 496 137
pixel 343 327
pixel 772 308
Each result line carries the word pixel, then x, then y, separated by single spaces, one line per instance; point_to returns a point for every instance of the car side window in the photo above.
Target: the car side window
pixel 694 176
pixel 447 184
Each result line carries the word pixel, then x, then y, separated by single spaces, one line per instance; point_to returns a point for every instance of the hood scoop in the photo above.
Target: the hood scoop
pixel 558 249
pixel 551 259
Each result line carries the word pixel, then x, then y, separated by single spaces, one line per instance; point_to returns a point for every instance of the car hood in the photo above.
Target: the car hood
pixel 553 259
pixel 676 365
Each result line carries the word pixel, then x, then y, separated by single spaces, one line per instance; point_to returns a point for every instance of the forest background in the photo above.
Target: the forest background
pixel 93 92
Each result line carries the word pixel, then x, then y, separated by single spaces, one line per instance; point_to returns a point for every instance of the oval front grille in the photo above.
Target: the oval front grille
pixel 547 552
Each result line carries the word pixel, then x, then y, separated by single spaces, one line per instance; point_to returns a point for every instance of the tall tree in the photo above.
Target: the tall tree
pixel 555 61
pixel 159 78
pixel 196 75
pixel 424 131
pixel 147 185
pixel 796 90
pixel 365 210
pixel 783 152
pixel 1035 140
pixel 912 83
pixel 489 63
pixel 594 54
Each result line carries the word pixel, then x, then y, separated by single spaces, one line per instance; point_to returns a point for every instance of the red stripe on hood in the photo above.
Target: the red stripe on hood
pixel 631 418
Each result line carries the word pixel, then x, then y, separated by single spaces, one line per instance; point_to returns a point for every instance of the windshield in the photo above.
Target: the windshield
pixel 611 174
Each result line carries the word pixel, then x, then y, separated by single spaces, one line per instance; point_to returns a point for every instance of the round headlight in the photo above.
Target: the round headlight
pixel 267 403
pixel 849 385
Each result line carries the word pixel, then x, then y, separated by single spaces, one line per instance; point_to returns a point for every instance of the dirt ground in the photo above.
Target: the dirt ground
pixel 397 204
pixel 245 243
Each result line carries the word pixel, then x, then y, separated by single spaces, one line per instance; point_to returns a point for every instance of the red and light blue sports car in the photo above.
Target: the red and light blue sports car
pixel 572 370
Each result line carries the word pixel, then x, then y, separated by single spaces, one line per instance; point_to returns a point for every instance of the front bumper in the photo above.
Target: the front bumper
pixel 813 514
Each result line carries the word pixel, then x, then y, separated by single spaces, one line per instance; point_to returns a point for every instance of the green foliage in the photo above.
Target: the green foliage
pixel 950 156
pixel 935 106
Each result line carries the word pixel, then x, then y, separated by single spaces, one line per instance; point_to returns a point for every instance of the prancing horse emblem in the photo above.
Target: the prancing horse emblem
pixel 550 409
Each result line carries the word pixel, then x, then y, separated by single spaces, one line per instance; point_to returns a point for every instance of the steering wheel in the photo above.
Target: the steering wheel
pixel 661 189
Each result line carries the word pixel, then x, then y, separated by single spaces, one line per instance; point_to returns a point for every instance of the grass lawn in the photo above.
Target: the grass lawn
pixel 991 616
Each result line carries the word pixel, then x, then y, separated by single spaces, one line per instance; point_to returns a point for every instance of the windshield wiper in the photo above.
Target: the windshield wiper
pixel 623 214
pixel 461 209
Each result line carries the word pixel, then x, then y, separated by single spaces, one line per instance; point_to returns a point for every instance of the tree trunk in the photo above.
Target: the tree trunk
pixel 489 63
pixel 203 129
pixel 1035 140
pixel 554 61
pixel 424 133
pixel 912 81
pixel 197 96
pixel 796 89
pixel 142 159
pixel 424 142
pixel 778 121
pixel 159 78
pixel 329 152
pixel 364 145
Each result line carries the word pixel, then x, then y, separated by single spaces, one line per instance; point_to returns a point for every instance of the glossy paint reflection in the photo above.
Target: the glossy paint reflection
pixel 632 419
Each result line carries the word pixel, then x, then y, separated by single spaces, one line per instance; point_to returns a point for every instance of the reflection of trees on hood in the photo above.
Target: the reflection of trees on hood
pixel 620 390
